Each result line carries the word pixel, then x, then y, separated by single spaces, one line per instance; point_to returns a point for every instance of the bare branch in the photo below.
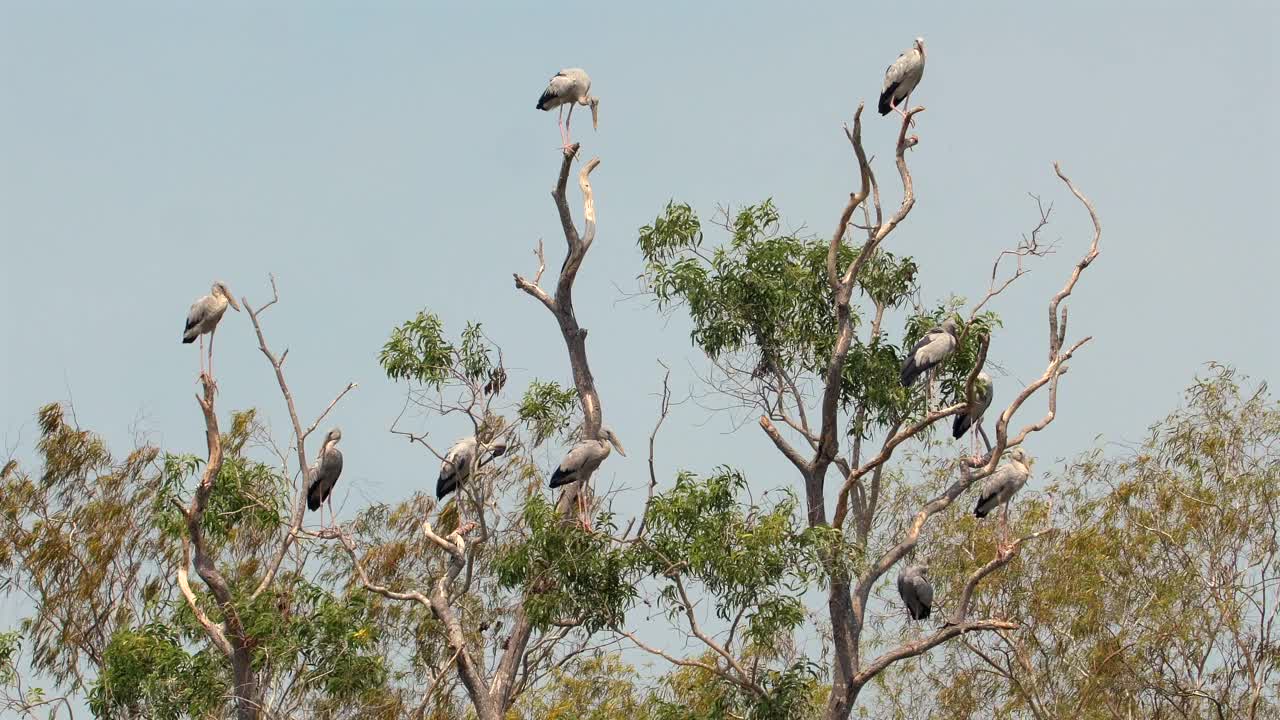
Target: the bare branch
pixel 1057 335
pixel 687 604
pixel 664 408
pixel 212 629
pixel 783 446
pixel 1000 560
pixel 300 439
pixel 842 500
pixel 923 645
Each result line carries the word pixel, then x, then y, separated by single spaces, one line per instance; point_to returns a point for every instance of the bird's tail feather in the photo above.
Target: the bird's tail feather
pixel 961 426
pixel 982 508
pixel 542 101
pixel 445 485
pixel 560 477
pixel 910 371
pixel 886 98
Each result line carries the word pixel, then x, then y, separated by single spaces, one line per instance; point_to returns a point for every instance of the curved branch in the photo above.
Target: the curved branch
pixel 886 452
pixel 924 645
pixel 503 683
pixel 1000 560
pixel 299 435
pixel 1057 334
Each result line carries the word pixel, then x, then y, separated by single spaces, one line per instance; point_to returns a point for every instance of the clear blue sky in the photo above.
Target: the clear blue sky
pixel 382 158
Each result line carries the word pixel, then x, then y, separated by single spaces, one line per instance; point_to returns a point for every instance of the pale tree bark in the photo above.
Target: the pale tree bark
pixel 848 597
pixel 492 691
pixel 229 635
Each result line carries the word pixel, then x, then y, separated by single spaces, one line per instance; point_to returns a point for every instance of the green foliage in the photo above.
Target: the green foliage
pixel 332 639
pixel 10 648
pixel 749 558
pixel 146 672
pixel 77 541
pixel 473 354
pixel 767 293
pixel 418 351
pixel 598 687
pixel 547 409
pixel 247 497
pixel 762 290
pixel 1162 578
pixel 797 692
pixel 568 573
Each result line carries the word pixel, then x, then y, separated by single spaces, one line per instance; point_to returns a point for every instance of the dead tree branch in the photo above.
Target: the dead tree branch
pixel 299 435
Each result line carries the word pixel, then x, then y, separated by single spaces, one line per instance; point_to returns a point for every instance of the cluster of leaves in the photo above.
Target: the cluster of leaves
pixel 1162 580
pixel 547 410
pixel 767 293
pixel 249 500
pixel 797 692
pixel 750 559
pixel 570 575
pixel 77 541
pixel 146 672
pixel 418 351
pixel 597 687
pixel 761 290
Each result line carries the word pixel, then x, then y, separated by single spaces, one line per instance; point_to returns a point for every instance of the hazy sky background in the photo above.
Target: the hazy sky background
pixel 384 159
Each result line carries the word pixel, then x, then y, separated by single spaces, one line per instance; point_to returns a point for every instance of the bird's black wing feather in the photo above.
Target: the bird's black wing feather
pixel 886 98
pixel 562 477
pixel 446 484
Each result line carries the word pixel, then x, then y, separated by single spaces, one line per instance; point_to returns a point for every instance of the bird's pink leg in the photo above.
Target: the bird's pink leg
pixel 212 332
pixel 564 142
pixel 906 103
pixel 568 139
pixel 1003 546
pixel 201 355
pixel 582 511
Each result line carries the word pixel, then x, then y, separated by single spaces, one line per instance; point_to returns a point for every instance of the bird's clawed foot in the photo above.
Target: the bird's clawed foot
pixel 207 379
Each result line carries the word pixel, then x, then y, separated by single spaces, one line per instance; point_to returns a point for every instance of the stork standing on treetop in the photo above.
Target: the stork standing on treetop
pixel 901 78
pixel 570 87
pixel 203 317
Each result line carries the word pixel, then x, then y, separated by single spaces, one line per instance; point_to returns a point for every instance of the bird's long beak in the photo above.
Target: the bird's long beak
pixel 595 125
pixel 618 445
pixel 234 305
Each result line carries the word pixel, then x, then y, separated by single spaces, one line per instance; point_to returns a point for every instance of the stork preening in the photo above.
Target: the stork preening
pixel 203 317
pixel 582 460
pixel 916 591
pixel 325 474
pixel 570 87
pixel 935 347
pixel 458 463
pixel 901 78
pixel 983 392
